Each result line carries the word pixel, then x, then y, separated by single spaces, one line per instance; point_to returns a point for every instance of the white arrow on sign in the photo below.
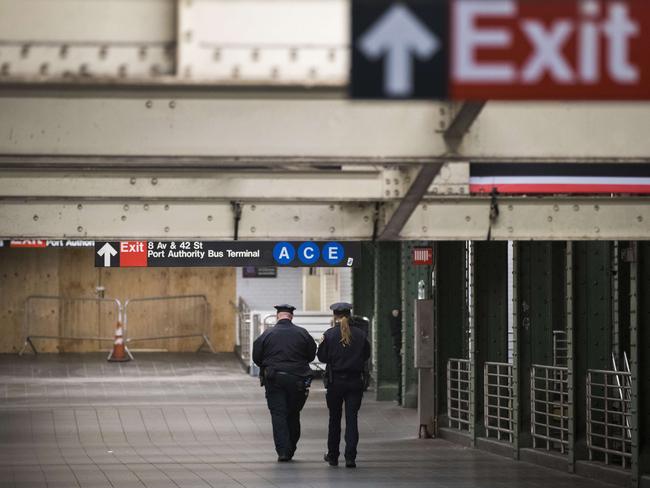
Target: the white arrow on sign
pixel 398 34
pixel 106 252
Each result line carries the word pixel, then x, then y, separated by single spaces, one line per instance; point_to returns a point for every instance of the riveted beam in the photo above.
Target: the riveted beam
pixel 244 125
pixel 410 201
pixel 463 118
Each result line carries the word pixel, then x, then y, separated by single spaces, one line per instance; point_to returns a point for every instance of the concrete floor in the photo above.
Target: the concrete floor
pixel 195 420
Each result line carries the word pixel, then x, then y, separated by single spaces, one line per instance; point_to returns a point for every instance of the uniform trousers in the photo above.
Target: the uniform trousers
pixel 285 397
pixel 340 391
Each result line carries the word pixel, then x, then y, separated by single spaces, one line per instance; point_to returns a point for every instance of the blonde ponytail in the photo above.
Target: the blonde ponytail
pixel 346 333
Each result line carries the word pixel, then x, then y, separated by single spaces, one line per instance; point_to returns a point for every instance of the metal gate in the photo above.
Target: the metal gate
pixel 549 407
pixel 458 384
pixel 609 405
pixel 498 412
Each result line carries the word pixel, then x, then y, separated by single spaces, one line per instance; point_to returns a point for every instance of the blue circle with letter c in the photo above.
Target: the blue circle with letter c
pixel 308 252
pixel 333 253
pixel 283 253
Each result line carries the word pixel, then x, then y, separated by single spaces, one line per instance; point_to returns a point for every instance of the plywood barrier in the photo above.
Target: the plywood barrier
pixel 71 273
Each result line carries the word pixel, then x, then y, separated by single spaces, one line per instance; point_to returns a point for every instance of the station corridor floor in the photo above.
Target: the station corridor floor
pixel 196 420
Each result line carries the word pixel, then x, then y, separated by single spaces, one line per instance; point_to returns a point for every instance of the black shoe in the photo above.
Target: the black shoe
pixel 284 458
pixel 349 463
pixel 333 461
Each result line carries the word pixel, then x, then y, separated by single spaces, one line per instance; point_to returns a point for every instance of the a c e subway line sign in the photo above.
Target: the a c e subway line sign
pixel 126 254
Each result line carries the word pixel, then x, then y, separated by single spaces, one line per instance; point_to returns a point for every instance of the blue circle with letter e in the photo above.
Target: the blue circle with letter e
pixel 308 252
pixel 333 253
pixel 283 253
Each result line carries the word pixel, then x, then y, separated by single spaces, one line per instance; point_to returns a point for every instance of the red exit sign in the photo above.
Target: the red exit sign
pixel 422 255
pixel 501 49
pixel 550 49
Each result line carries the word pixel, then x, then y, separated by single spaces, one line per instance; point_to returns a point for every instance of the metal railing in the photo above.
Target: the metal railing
pixel 458 385
pixel 181 317
pixel 243 330
pixel 314 322
pixel 609 404
pixel 549 407
pixel 69 321
pixel 498 413
pixel 560 348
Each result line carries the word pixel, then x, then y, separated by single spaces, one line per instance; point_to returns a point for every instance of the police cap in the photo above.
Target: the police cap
pixel 342 308
pixel 285 307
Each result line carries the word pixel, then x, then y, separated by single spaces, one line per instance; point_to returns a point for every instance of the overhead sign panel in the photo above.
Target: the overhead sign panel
pixel 400 49
pixel 127 254
pixel 501 49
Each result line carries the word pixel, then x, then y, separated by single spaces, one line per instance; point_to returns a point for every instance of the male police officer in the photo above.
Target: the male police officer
pixel 283 354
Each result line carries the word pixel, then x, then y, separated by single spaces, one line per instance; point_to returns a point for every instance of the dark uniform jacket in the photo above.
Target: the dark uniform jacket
pixel 348 360
pixel 285 347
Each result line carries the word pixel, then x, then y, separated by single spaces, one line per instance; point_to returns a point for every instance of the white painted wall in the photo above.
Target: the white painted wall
pixel 263 293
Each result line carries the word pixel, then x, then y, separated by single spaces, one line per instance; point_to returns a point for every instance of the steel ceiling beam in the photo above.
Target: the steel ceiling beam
pixel 407 205
pixel 463 119
pixel 448 218
pixel 244 128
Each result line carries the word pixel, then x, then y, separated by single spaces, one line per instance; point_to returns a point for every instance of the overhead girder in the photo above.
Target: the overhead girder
pixel 362 183
pixel 441 218
pixel 200 129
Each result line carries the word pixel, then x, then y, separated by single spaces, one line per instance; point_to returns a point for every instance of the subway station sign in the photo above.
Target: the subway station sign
pixel 501 49
pixel 125 254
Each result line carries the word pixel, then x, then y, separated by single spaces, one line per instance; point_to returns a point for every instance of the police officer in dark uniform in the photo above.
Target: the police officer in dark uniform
pixel 283 354
pixel 345 350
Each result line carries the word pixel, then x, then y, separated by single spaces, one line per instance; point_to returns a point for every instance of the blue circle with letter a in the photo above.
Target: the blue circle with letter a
pixel 283 253
pixel 333 253
pixel 308 253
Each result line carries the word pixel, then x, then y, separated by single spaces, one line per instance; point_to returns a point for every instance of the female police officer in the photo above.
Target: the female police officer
pixel 345 350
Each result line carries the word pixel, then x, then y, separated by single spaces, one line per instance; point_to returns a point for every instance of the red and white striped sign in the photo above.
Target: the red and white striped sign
pixel 422 255
pixel 570 178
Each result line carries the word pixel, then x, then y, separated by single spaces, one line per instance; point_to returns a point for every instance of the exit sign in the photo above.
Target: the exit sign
pixel 501 49
pixel 422 256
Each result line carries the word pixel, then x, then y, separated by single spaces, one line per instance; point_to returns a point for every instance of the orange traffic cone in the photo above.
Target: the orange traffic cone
pixel 120 352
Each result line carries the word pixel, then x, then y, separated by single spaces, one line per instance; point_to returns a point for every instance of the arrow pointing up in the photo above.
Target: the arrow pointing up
pixel 398 35
pixel 106 252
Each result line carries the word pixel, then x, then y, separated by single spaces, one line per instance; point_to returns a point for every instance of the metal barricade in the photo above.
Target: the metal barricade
pixel 168 318
pixel 549 407
pixel 68 321
pixel 458 384
pixel 498 414
pixel 243 330
pixel 609 404
pixel 560 350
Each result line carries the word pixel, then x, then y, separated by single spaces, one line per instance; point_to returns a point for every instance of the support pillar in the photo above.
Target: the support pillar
pixel 571 352
pixel 539 311
pixel 592 322
pixel 388 298
pixel 640 364
pixel 363 282
pixel 451 317
pixel 491 315
pixel 411 275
